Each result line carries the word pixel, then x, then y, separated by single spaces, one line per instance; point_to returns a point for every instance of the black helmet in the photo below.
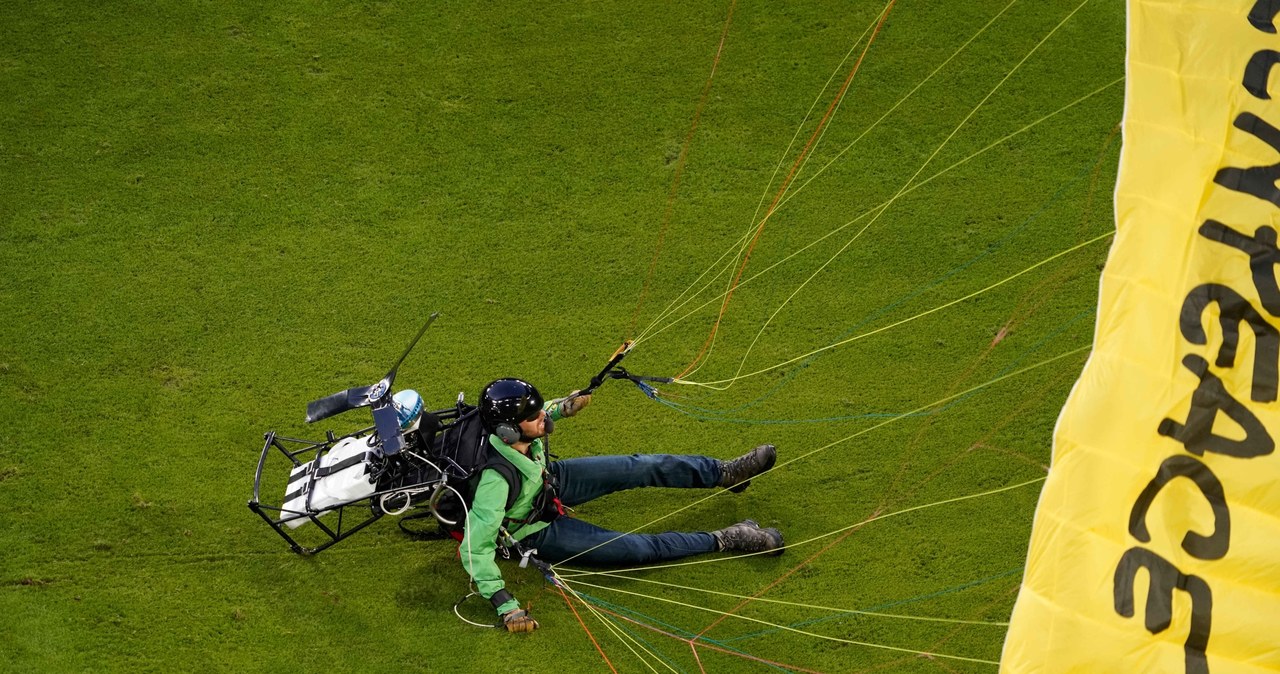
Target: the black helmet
pixel 509 401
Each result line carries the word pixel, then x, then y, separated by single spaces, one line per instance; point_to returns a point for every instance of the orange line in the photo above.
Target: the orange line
pixel 783 665
pixel 675 182
pixel 587 630
pixel 724 305
pixel 718 649
pixel 697 658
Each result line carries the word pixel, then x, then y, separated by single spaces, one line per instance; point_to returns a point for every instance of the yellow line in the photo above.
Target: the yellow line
pixel 713 384
pixel 792 629
pixel 922 183
pixel 899 103
pixel 819 537
pixel 618 633
pixel 829 445
pixel 814 149
pixel 956 621
pixel 743 363
pixel 740 244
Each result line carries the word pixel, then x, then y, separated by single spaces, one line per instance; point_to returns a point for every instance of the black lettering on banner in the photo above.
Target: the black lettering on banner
pixel 1258 181
pixel 1164 579
pixel 1263 254
pixel 1213 546
pixel 1233 309
pixel 1263 15
pixel 1209 398
pixel 1258 72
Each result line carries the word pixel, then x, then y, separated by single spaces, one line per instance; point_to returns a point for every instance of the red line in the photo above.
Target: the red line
pixel 675 182
pixel 783 188
pixel 588 631
pixel 665 633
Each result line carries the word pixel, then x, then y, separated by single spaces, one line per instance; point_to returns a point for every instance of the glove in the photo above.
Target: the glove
pixel 518 620
pixel 571 405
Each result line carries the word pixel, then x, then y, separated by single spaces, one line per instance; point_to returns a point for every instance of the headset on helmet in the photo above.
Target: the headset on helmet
pixel 505 403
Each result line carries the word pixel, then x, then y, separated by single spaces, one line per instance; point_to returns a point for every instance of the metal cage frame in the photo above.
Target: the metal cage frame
pixel 276 516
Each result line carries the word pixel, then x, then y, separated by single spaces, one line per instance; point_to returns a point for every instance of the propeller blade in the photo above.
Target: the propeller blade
pixel 363 396
pixel 338 403
pixel 391 374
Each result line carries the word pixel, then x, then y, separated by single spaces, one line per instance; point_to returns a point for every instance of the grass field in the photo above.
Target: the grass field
pixel 213 213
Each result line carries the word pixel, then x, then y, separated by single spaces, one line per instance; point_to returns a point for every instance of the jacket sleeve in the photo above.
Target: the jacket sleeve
pixel 480 536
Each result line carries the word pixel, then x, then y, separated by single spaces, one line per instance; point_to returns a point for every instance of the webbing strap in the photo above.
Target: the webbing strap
pixel 322 473
pixel 342 465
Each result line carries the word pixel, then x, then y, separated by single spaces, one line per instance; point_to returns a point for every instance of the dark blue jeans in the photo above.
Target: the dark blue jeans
pixel 584 479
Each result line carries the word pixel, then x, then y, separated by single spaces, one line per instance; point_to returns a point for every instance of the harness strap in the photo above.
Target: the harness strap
pixel 499 598
pixel 342 465
pixel 322 473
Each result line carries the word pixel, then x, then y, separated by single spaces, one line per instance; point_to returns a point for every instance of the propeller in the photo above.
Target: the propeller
pixel 377 395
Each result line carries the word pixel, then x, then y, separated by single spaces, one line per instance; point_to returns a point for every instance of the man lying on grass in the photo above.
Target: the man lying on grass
pixel 521 497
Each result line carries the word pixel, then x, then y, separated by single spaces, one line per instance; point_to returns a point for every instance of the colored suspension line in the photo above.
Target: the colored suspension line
pixel 742 364
pixel 898 104
pixel 638 619
pixel 576 573
pixel 882 424
pixel 804 151
pixel 716 415
pixel 740 244
pixel 909 600
pixel 586 629
pixel 614 629
pixel 818 607
pixel 717 385
pixel 653 331
pixel 679 171
pixel 793 629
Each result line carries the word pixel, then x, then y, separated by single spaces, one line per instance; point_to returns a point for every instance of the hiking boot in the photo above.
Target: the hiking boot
pixel 736 475
pixel 747 536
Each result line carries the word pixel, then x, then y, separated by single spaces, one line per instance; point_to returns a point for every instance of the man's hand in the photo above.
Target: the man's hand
pixel 571 405
pixel 518 620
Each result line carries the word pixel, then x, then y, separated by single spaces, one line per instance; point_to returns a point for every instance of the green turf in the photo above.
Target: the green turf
pixel 212 213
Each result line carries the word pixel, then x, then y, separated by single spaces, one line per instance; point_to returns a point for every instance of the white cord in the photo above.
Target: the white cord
pixel 409 493
pixel 435 500
pixel 458 603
